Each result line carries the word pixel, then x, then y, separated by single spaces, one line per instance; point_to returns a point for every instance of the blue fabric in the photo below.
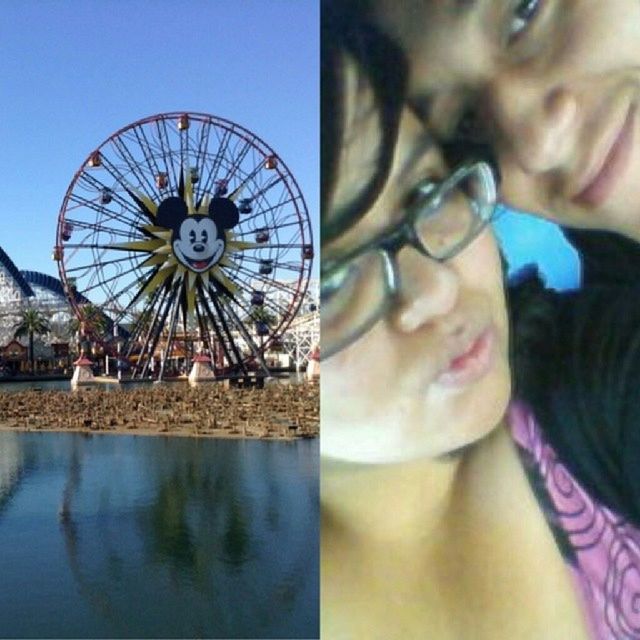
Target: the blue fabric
pixel 526 239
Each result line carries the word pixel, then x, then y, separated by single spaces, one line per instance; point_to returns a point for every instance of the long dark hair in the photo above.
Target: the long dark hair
pixel 576 362
pixel 346 30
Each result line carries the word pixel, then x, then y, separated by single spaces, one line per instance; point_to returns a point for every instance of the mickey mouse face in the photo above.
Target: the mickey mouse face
pixel 198 240
pixel 196 243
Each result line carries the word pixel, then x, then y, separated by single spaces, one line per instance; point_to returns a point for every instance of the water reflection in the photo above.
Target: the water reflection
pixel 12 469
pixel 159 537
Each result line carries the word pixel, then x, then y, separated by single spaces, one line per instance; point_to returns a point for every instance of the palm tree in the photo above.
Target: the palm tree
pixel 94 320
pixel 32 322
pixel 91 324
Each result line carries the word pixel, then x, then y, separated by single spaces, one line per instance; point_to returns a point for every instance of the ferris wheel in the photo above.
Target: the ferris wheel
pixel 184 226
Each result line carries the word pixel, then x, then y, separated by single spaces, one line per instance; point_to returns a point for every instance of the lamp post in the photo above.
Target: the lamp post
pixel 118 340
pixel 85 346
pixel 119 361
pixel 97 352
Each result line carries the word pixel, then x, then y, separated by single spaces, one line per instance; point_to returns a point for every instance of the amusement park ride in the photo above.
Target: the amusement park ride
pixel 188 234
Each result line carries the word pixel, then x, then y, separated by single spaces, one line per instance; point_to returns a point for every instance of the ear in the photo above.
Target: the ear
pixel 171 213
pixel 224 212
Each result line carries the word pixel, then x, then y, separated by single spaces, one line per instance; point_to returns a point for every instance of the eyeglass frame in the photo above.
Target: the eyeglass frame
pixel 404 233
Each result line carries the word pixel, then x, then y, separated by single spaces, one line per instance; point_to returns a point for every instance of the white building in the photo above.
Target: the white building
pixel 20 290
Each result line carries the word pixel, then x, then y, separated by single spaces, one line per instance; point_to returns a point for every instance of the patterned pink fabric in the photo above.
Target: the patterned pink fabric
pixel 607 549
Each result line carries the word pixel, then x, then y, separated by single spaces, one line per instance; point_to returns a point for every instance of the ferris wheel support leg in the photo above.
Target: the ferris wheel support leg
pixel 250 342
pixel 172 328
pixel 153 336
pixel 205 336
pixel 232 345
pixel 156 302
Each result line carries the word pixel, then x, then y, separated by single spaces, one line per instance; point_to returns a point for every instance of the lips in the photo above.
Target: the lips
pixel 470 361
pixel 611 168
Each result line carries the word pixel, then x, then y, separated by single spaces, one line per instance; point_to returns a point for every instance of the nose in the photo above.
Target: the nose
pixel 428 290
pixel 198 247
pixel 535 120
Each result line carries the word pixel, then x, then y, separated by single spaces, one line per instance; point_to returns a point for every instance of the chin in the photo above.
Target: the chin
pixel 432 429
pixel 476 413
pixel 372 445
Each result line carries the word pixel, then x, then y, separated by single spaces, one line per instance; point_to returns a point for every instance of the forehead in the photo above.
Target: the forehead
pixel 451 46
pixel 446 41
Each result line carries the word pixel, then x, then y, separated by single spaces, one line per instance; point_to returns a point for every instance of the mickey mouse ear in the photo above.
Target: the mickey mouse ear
pixel 224 212
pixel 171 212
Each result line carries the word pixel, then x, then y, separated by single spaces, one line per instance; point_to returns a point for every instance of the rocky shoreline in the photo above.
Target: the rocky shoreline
pixel 213 410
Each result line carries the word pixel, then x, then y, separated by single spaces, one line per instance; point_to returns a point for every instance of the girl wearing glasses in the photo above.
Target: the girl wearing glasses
pixel 448 508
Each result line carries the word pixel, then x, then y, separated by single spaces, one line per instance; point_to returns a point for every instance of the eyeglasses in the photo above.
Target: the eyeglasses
pixel 442 219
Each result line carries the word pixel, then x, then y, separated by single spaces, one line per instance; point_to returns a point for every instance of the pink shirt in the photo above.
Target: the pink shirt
pixel 606 547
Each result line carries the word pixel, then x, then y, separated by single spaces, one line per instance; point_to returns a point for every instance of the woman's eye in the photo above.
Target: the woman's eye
pixel 332 283
pixel 423 193
pixel 523 14
pixel 469 126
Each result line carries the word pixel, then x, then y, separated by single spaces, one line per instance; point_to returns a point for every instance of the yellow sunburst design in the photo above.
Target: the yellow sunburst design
pixel 191 301
pixel 151 206
pixel 154 260
pixel 162 258
pixel 140 245
pixel 163 274
pixel 203 209
pixel 217 273
pixel 192 280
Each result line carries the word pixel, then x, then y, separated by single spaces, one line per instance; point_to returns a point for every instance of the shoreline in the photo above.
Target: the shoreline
pixel 219 434
pixel 287 412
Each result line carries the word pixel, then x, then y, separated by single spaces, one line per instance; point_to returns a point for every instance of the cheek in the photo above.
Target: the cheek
pixel 361 379
pixel 517 188
pixel 353 365
pixel 480 264
pixel 480 268
pixel 607 32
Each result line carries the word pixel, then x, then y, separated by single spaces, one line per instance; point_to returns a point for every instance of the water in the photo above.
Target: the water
pixel 124 536
pixel 46 385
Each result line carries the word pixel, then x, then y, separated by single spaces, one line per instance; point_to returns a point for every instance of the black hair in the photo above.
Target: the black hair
pixel 346 30
pixel 576 361
pixel 605 257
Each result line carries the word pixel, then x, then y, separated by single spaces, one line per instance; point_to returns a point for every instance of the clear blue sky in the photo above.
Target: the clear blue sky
pixel 72 72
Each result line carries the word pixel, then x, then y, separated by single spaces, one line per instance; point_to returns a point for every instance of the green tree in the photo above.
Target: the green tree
pixel 262 314
pixel 32 323
pixel 92 322
pixel 95 322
